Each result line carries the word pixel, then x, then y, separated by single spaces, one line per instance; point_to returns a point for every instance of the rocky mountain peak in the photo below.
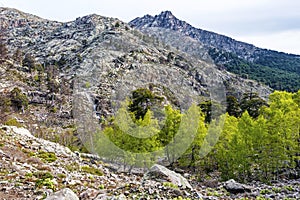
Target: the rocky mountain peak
pixel 224 51
pixel 165 20
pixel 167 14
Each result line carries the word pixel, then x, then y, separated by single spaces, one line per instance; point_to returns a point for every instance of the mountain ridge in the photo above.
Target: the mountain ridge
pixel 273 68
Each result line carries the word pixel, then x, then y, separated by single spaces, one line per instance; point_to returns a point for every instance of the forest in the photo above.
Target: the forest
pixel 280 75
pixel 253 140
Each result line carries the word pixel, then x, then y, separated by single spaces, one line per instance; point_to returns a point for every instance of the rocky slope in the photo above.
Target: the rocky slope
pixel 79 71
pixel 99 52
pixel 33 168
pixel 224 51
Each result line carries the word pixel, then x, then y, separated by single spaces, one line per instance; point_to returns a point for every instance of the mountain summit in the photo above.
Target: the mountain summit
pixel 165 19
pixel 279 70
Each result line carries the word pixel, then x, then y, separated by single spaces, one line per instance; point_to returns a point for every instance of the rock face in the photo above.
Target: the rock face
pixel 168 21
pixel 234 187
pixel 64 194
pixel 163 174
pixel 223 51
pixel 101 56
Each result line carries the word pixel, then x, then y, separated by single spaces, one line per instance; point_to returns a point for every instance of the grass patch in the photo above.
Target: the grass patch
pixel 47 156
pixel 276 189
pixel 48 183
pixel 72 167
pixel 265 191
pixel 91 170
pixel 101 187
pixel 43 175
pixel 61 176
pixel 44 179
pixel 13 122
pixel 289 188
pixel 170 185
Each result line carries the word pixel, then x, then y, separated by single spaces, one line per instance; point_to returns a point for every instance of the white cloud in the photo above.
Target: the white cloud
pixel 285 41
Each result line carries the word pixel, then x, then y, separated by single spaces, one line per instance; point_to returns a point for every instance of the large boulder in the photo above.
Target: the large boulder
pixel 64 194
pixel 234 187
pixel 162 174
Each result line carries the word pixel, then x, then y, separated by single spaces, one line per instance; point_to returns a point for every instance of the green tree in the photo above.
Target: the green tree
pixel 29 62
pixel 193 155
pixel 141 101
pixel 240 151
pixel 223 148
pixel 130 138
pixel 233 107
pixel 251 102
pixel 18 99
pixel 283 128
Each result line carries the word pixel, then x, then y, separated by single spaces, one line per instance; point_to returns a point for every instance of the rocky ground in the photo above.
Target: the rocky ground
pixel 33 168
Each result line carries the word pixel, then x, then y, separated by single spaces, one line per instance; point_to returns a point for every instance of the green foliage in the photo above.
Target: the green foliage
pixel 91 170
pixel 18 99
pixel 48 183
pixel 43 175
pixel 141 101
pixel 61 176
pixel 170 185
pixel 29 62
pixel 13 122
pixel 87 85
pixel 251 103
pixel 44 179
pixel 276 189
pixel 265 191
pixel 254 144
pixel 288 187
pixel 47 156
pixel 72 167
pixel 278 70
pixel 5 103
pixel 101 187
pixel 233 107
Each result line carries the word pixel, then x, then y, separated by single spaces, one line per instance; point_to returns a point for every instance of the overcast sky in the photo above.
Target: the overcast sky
pixel 271 24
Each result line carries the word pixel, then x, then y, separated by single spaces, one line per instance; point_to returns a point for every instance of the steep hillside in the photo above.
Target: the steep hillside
pixel 278 70
pixel 101 55
pixel 64 81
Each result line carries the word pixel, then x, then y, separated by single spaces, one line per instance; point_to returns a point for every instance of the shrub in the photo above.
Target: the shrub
pixel 92 170
pixel 47 156
pixel 18 99
pixel 13 122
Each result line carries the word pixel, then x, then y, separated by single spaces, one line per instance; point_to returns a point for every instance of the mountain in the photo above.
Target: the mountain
pixel 105 54
pixel 279 70
pixel 62 82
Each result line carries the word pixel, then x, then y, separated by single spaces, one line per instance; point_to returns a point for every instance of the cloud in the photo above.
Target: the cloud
pixel 285 41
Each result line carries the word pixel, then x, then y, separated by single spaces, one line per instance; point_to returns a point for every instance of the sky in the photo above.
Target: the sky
pixel 270 24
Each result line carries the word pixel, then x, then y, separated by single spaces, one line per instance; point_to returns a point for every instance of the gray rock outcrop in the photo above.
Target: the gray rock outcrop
pixel 161 173
pixel 64 194
pixel 234 187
